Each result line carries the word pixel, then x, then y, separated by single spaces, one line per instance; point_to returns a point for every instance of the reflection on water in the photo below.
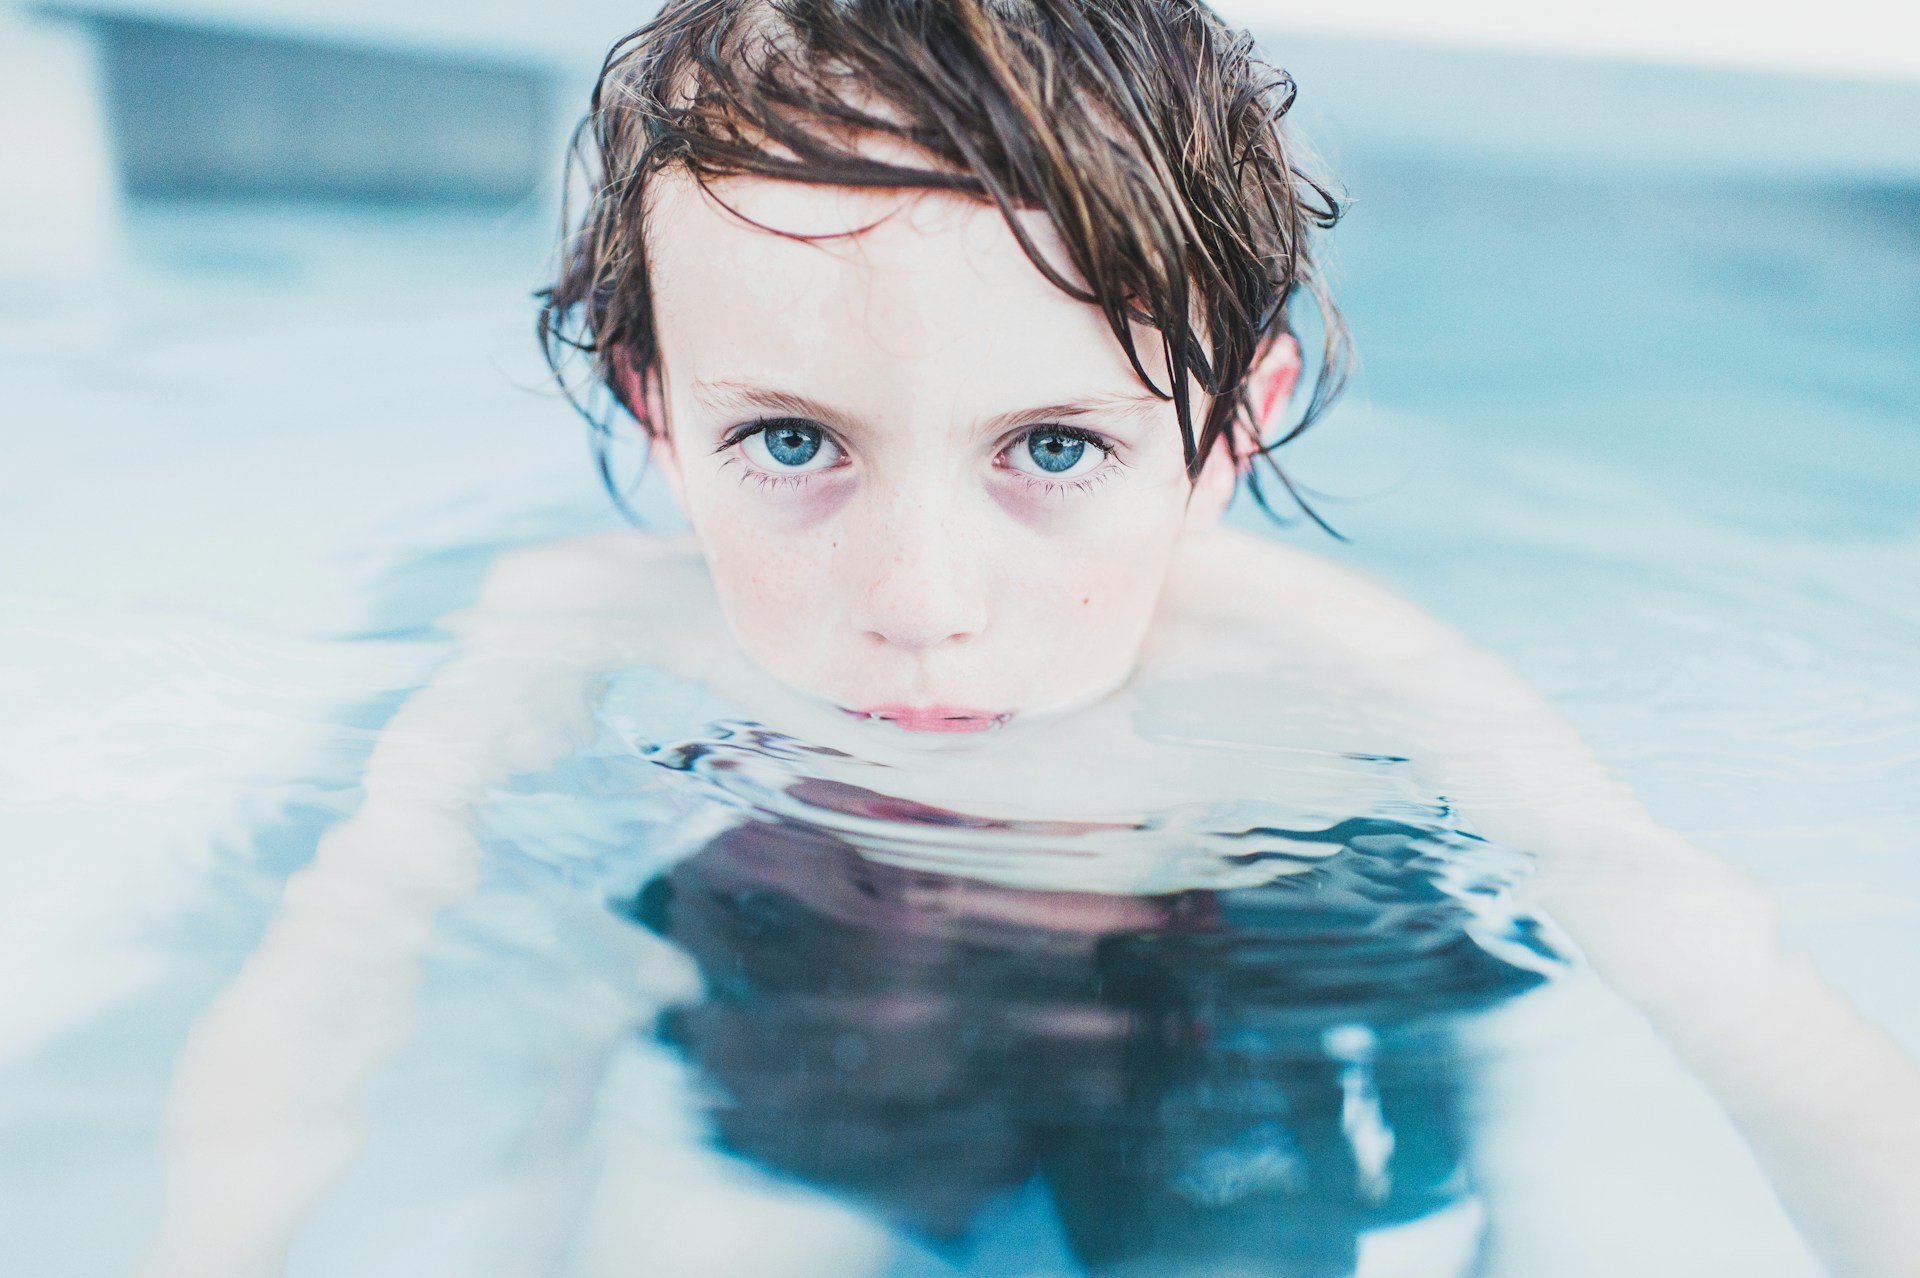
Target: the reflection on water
pixel 1212 1080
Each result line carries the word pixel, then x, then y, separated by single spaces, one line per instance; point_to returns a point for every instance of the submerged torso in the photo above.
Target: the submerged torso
pixel 1246 1081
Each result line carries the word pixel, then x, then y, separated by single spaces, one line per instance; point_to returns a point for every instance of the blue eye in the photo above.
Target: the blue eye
pixel 791 443
pixel 1055 453
pixel 789 446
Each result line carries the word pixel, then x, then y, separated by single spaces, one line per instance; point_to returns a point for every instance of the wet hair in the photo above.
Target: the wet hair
pixel 1147 131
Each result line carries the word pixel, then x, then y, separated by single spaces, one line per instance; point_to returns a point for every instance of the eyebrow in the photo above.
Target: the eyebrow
pixel 742 396
pixel 724 396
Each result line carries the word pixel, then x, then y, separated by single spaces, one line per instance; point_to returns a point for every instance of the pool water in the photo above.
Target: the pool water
pixel 1652 439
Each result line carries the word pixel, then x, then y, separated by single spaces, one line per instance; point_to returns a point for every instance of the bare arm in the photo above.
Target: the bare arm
pixel 1829 1104
pixel 267 1103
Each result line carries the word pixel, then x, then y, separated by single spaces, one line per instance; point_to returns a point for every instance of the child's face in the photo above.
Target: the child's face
pixel 927 483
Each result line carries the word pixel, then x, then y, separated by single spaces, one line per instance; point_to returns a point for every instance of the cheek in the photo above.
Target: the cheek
pixel 1116 584
pixel 771 556
pixel 1101 584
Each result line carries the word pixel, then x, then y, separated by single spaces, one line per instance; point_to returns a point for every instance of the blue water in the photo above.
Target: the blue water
pixel 1651 438
pixel 1191 1078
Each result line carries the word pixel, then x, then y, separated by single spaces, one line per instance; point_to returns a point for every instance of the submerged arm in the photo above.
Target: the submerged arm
pixel 268 1097
pixel 1829 1103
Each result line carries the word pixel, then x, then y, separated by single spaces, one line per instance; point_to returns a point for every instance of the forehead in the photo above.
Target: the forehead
pixel 883 295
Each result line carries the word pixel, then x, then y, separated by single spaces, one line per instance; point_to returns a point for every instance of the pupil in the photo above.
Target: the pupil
pixel 1056 452
pixel 792 445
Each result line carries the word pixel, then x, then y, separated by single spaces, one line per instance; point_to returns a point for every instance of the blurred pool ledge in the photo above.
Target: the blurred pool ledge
pixel 437 104
pixel 1664 117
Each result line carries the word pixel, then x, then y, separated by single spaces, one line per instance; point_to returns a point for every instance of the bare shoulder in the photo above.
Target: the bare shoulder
pixel 1232 576
pixel 607 600
pixel 1289 605
pixel 607 575
pixel 1490 740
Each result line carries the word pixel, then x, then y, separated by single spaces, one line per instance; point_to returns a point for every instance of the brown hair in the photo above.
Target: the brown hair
pixel 1147 130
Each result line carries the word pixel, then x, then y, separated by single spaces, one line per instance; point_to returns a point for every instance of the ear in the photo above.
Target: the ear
pixel 1211 492
pixel 1270 383
pixel 644 392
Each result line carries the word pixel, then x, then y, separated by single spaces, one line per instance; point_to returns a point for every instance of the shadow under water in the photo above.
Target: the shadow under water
pixel 1247 1080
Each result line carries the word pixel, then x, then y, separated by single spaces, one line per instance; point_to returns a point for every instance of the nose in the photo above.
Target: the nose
pixel 921 582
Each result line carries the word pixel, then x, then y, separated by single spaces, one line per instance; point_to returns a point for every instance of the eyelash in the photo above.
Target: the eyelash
pixel 768 481
pixel 1056 487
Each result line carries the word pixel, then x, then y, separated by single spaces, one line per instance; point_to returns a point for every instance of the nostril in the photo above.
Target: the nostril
pixel 905 637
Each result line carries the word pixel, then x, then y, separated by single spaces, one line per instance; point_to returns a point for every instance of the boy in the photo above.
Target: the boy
pixel 952 325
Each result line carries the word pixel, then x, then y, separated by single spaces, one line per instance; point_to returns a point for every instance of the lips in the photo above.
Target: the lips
pixel 933 718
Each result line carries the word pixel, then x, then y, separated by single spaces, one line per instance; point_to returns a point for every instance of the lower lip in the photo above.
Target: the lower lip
pixel 933 718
